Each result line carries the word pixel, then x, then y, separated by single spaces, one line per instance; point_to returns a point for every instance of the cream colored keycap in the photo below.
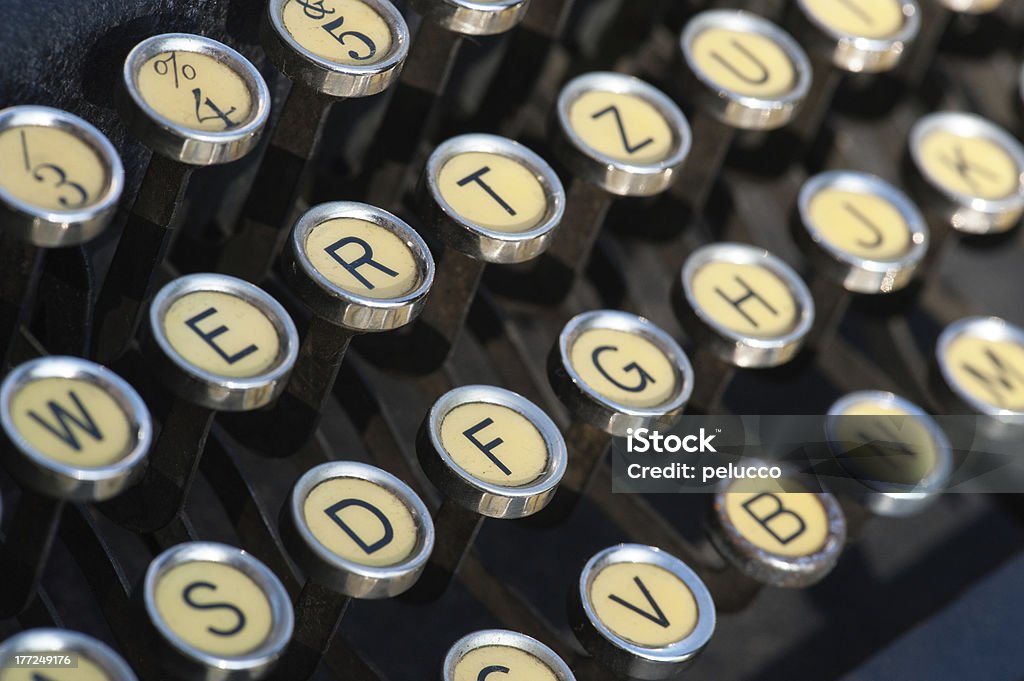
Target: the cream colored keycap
pixel 667 609
pixel 522 453
pixel 72 421
pixel 214 607
pixel 972 166
pixel 750 64
pixel 513 199
pixel 860 223
pixel 908 450
pixel 195 90
pixel 622 126
pixel 766 307
pixel 247 346
pixel 347 516
pixel 991 371
pixel 624 367
pixel 388 265
pixel 85 670
pixel 860 18
pixel 778 516
pixel 507 664
pixel 342 31
pixel 51 168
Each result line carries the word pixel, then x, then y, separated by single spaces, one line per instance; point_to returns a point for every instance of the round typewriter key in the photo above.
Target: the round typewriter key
pixel 980 367
pixel 358 269
pixel 777 532
pixel 641 611
pixel 217 612
pixel 742 307
pixel 75 432
pixel 194 102
pixel 330 50
pixel 861 36
pixel 615 372
pixel 492 453
pixel 618 136
pixel 470 17
pixel 75 655
pixel 219 344
pixel 893 448
pixel 498 651
pixel 357 532
pixel 968 172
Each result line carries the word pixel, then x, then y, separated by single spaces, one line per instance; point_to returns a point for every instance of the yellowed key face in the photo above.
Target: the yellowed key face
pixel 362 258
pixel 214 607
pixel 972 166
pixel 73 422
pixel 51 169
pixel 195 91
pixel 624 367
pixel 745 298
pixel 86 670
pixel 361 521
pixel 624 127
pixel 778 516
pixel 491 663
pixel 494 443
pixel 989 371
pixel 493 191
pixel 222 334
pixel 860 18
pixel 747 63
pixel 905 454
pixel 861 224
pixel 644 604
pixel 342 31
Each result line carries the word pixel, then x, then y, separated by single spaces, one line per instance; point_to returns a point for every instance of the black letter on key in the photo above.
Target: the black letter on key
pixel 750 294
pixel 187 596
pixel 352 267
pixel 209 336
pixel 645 377
pixel 866 221
pixel 658 617
pixel 1003 377
pixel 757 79
pixel 477 177
pixel 470 434
pixel 65 421
pixel 780 510
pixel 614 111
pixel 389 533
pixel 493 669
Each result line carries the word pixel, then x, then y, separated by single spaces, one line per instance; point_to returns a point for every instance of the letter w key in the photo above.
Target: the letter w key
pixel 64 429
pixel 614 111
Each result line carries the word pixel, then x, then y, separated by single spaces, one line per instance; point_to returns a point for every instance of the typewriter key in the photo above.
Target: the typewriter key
pixel 615 372
pixel 329 50
pixel 216 612
pixel 60 187
pixel 496 651
pixel 86 658
pixel 967 172
pixel 863 36
pixel 219 344
pixel 641 611
pixel 493 454
pixel 357 532
pixel 862 235
pixel 411 112
pixel 777 532
pixel 194 102
pixel 76 432
pixel 979 369
pixel 742 307
pixel 972 6
pixel 898 457
pixel 618 136
pixel 488 200
pixel 358 269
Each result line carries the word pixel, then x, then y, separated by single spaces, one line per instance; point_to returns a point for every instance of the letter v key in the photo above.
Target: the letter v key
pixel 658 617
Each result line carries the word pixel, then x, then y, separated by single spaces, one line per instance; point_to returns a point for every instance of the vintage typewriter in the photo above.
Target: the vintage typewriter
pixel 325 323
